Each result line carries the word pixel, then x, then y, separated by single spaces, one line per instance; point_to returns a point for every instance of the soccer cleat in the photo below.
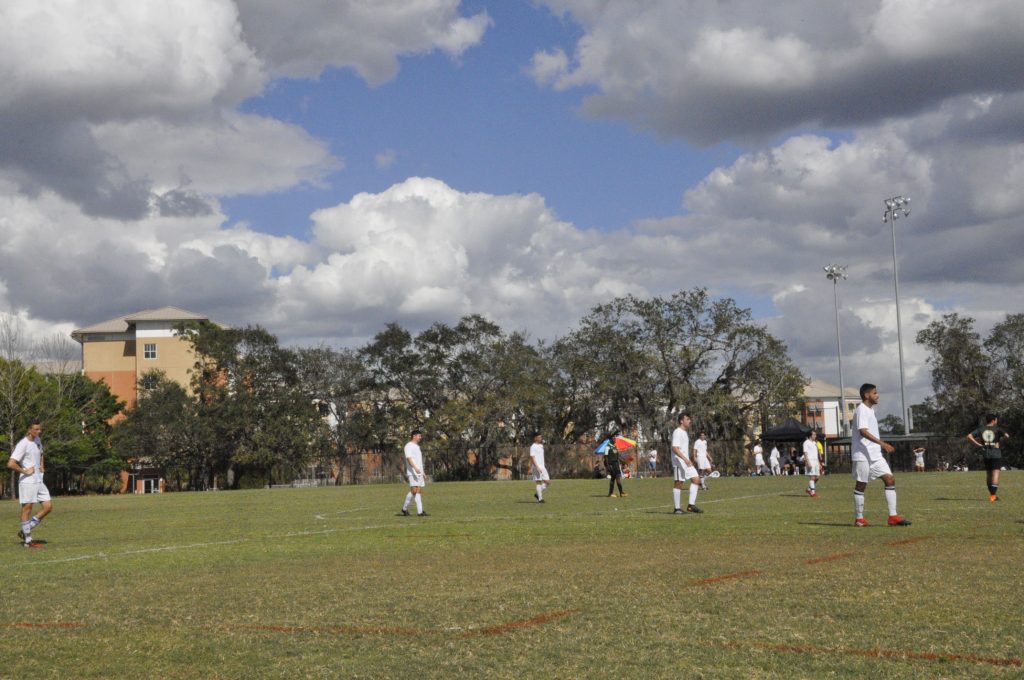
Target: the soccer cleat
pixel 612 495
pixel 677 511
pixel 693 508
pixel 897 521
pixel 991 499
pixel 810 491
pixel 623 494
pixel 422 514
pixel 861 522
pixel 405 513
pixel 21 534
pixel 540 500
pixel 813 494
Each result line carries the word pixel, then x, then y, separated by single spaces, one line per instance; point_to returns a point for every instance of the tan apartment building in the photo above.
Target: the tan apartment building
pixel 120 351
pixel 821 408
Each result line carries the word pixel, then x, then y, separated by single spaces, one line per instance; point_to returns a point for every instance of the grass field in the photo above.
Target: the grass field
pixel 331 582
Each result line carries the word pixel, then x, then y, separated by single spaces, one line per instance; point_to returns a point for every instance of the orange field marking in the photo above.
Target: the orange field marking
pixel 830 558
pixel 516 625
pixel 42 625
pixel 497 629
pixel 726 577
pixel 877 653
pixel 907 541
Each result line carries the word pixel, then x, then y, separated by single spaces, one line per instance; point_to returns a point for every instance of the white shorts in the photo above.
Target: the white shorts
pixel 759 461
pixel 866 472
pixel 812 471
pixel 683 473
pixel 540 474
pixel 32 492
pixel 416 480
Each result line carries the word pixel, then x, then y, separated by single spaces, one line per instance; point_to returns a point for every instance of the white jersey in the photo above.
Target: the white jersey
pixel 758 455
pixel 810 453
pixel 700 452
pixel 28 453
pixel 773 457
pixel 537 456
pixel 919 458
pixel 681 441
pixel 413 460
pixel 864 449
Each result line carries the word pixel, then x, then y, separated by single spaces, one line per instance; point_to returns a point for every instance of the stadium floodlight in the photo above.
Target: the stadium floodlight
pixel 835 272
pixel 894 207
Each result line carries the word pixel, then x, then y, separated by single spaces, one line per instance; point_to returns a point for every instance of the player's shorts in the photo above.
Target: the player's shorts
pixel 812 471
pixel 993 463
pixel 759 460
pixel 866 472
pixel 615 471
pixel 653 464
pixel 540 474
pixel 683 473
pixel 32 492
pixel 416 480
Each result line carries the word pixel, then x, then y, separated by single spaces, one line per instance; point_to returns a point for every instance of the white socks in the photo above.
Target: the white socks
pixel 694 488
pixel 677 497
pixel 810 485
pixel 858 504
pixel 408 499
pixel 890 499
pixel 419 505
pixel 540 492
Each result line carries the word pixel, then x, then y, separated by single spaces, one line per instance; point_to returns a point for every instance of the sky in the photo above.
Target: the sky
pixel 325 167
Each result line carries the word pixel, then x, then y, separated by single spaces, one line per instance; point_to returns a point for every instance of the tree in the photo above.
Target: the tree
pixel 962 373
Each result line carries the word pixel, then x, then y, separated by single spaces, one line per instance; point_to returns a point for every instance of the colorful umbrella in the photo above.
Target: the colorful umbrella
pixel 620 443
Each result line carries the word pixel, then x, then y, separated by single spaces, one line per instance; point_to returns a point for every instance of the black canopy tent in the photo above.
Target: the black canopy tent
pixel 789 431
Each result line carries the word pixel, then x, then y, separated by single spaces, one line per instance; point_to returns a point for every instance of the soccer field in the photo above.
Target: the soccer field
pixel 331 582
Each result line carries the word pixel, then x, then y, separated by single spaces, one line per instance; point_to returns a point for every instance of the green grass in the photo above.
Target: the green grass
pixel 331 583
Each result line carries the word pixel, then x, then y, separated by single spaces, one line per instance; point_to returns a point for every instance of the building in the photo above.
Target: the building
pixel 821 407
pixel 120 351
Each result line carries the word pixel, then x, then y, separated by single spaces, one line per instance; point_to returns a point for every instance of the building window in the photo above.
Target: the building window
pixel 149 350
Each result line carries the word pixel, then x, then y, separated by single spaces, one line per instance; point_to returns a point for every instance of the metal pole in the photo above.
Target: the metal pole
pixel 894 206
pixel 839 345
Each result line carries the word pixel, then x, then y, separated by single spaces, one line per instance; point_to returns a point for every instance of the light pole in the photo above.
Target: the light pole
pixel 893 207
pixel 834 272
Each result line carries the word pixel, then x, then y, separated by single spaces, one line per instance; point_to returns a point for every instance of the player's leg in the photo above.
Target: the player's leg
pixel 881 469
pixel 691 505
pixel 860 478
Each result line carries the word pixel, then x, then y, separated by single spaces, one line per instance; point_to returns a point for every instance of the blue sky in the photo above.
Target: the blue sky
pixel 539 158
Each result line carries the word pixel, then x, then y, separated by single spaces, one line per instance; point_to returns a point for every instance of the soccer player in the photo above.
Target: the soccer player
pixel 812 463
pixel 758 458
pixel 414 471
pixel 614 467
pixel 919 459
pixel 704 460
pixel 28 461
pixel 773 460
pixel 682 467
pixel 652 462
pixel 540 472
pixel 989 439
pixel 868 462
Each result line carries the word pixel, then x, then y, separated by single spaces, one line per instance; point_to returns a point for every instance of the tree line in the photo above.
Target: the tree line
pixel 258 412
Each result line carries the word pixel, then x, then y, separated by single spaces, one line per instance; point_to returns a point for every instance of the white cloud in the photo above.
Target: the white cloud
pixel 711 71
pixel 301 40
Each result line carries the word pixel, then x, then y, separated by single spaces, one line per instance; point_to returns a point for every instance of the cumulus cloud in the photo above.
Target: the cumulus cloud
pixel 300 40
pixel 711 71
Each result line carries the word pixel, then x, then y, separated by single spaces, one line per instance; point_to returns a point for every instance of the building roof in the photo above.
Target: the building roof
pixel 122 323
pixel 820 388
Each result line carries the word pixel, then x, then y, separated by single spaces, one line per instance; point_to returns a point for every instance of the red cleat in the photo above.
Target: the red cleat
pixel 861 522
pixel 898 521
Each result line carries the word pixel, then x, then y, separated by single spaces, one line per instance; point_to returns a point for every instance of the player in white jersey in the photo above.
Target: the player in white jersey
pixel 414 471
pixel 682 467
pixel 758 458
pixel 537 467
pixel 28 461
pixel 703 459
pixel 919 459
pixel 773 460
pixel 812 463
pixel 867 459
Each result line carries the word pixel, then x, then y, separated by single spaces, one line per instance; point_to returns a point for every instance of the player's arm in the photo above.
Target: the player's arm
pixel 974 441
pixel 678 453
pixel 412 463
pixel 15 464
pixel 866 433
